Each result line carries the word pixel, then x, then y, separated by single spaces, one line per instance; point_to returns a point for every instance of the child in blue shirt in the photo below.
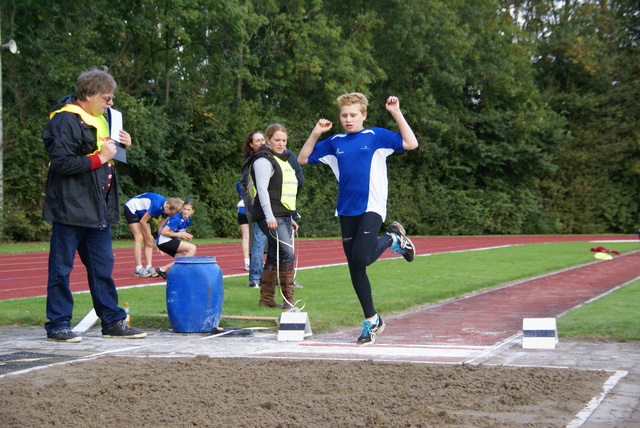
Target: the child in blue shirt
pixel 358 159
pixel 172 231
pixel 138 211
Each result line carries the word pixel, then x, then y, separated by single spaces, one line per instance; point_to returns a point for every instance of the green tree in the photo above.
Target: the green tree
pixel 587 67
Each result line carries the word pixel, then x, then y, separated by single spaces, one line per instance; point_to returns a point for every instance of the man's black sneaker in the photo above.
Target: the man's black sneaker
pixel 253 285
pixel 370 331
pixel 64 335
pixel 402 244
pixel 121 330
pixel 161 273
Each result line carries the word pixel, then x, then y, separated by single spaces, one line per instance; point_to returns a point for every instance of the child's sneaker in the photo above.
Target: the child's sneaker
pixel 152 272
pixel 401 244
pixel 141 273
pixel 161 273
pixel 370 331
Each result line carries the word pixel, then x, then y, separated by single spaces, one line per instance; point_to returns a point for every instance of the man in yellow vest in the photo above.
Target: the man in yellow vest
pixel 81 201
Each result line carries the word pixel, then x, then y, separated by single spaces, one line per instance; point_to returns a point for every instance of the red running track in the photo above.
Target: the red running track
pixel 25 275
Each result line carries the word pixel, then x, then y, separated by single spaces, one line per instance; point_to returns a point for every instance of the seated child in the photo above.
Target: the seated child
pixel 169 237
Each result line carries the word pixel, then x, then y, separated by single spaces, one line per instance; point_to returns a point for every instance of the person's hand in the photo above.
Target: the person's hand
pixel 186 235
pixel 322 126
pixel 273 224
pixel 108 151
pixel 125 138
pixel 393 104
pixel 295 225
pixel 149 242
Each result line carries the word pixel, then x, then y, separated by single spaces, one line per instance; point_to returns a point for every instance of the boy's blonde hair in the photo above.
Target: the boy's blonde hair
pixel 175 204
pixel 354 98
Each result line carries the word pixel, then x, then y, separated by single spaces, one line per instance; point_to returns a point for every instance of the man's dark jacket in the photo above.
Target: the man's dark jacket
pixel 75 194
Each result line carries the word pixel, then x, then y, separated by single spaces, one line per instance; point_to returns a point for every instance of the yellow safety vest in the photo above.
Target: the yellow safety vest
pixel 289 184
pixel 98 122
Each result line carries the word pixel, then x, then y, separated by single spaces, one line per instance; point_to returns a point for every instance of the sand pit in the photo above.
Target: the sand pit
pixel 243 392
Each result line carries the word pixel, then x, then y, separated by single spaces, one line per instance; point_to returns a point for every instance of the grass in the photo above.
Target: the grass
pixel 612 317
pixel 397 286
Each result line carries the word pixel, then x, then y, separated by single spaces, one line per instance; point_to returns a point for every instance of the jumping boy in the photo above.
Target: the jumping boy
pixel 358 160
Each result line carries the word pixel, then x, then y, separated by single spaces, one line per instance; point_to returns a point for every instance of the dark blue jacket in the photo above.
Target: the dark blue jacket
pixel 75 194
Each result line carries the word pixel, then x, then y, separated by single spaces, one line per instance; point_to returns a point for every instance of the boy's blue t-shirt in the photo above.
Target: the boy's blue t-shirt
pixel 359 162
pixel 177 224
pixel 147 202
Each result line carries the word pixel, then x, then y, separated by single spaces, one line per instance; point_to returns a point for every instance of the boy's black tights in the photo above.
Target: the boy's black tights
pixel 363 247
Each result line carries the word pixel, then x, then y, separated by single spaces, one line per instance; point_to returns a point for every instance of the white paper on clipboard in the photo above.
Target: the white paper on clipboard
pixel 115 126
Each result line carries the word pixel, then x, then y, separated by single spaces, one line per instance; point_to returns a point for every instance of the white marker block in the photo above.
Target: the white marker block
pixel 87 322
pixel 539 333
pixel 294 326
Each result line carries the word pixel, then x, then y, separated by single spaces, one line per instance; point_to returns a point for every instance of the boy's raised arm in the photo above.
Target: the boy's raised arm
pixel 322 126
pixel 409 140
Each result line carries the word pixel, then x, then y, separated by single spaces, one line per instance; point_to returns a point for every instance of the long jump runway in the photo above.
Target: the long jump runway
pixel 459 330
pixel 470 328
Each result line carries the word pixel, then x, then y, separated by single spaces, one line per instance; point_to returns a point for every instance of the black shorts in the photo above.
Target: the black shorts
pixel 131 217
pixel 242 219
pixel 170 247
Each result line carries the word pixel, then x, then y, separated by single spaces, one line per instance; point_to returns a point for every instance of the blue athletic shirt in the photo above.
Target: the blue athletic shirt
pixel 147 202
pixel 177 224
pixel 359 162
pixel 240 205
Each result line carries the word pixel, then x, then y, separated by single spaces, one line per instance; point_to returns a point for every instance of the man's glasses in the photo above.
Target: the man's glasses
pixel 107 99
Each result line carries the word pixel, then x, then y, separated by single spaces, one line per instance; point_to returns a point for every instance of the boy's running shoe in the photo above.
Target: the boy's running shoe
pixel 64 335
pixel 402 244
pixel 370 331
pixel 161 273
pixel 141 273
pixel 152 272
pixel 121 330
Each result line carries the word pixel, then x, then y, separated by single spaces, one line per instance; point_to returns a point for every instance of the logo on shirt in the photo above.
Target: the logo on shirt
pixel 339 152
pixel 364 148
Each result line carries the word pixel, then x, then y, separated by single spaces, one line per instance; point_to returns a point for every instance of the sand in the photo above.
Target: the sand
pixel 244 392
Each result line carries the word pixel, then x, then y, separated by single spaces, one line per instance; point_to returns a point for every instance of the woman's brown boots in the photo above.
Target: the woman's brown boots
pixel 268 286
pixel 287 285
pixel 269 282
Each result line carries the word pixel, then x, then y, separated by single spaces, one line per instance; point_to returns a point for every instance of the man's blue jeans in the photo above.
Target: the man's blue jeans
pixel 95 250
pixel 257 255
pixel 279 240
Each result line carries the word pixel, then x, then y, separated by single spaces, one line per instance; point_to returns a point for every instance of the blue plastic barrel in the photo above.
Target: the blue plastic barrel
pixel 194 294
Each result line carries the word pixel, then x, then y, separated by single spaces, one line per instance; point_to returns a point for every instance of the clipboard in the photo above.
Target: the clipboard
pixel 115 126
